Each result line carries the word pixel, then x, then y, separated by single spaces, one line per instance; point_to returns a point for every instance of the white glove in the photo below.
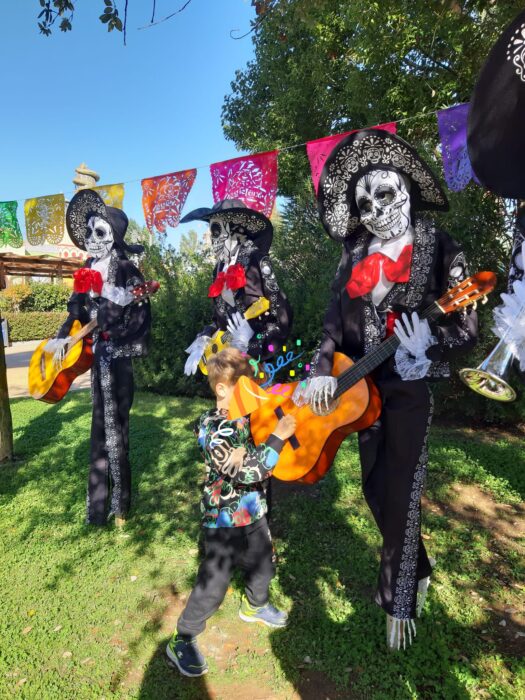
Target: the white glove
pixel 415 338
pixel 118 295
pixel 315 391
pixel 195 351
pixel 510 320
pixel 57 347
pixel 240 330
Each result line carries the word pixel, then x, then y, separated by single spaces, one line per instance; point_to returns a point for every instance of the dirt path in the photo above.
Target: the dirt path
pixel 17 359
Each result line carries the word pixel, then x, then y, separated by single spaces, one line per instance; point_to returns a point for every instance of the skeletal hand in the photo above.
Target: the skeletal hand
pixel 316 391
pixel 57 346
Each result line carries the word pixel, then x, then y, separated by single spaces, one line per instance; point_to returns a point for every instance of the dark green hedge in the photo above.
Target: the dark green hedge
pixel 34 325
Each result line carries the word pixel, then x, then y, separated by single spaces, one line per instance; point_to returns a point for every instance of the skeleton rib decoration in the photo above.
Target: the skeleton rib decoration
pixel 241 238
pixel 102 291
pixel 394 263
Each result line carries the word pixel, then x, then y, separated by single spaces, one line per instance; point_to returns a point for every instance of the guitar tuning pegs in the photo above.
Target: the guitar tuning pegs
pixel 474 305
pixel 484 299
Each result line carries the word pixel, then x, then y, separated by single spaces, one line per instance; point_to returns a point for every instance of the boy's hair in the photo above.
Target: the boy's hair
pixel 227 366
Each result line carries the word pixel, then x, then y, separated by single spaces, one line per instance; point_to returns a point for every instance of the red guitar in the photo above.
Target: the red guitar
pixel 49 381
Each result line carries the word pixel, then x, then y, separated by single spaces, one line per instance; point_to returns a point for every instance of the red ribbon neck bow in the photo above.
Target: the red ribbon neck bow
pixel 86 279
pixel 366 274
pixel 234 278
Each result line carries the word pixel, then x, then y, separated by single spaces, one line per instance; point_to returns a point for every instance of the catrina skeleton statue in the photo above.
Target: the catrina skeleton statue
pixel 394 264
pixel 102 291
pixel 241 238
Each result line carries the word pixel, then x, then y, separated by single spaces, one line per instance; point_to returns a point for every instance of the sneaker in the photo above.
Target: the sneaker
pixel 185 654
pixel 266 614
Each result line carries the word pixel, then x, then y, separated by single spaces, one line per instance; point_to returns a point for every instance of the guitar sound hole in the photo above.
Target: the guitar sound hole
pixel 324 410
pixel 214 348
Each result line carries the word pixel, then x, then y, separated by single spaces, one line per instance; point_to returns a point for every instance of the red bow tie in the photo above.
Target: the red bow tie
pixel 86 279
pixel 234 278
pixel 366 274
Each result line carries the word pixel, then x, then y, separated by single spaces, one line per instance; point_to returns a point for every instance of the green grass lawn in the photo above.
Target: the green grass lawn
pixel 86 612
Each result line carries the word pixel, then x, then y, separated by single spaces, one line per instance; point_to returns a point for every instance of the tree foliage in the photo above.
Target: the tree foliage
pixel 62 11
pixel 326 66
pixel 329 66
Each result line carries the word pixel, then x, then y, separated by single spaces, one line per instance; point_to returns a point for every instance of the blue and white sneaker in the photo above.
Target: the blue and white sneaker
pixel 185 654
pixel 267 614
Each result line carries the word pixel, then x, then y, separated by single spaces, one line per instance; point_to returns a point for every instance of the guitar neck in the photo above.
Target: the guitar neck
pixel 377 356
pixel 85 330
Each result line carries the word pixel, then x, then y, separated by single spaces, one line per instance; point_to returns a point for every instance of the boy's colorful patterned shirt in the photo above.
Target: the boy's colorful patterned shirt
pixel 237 471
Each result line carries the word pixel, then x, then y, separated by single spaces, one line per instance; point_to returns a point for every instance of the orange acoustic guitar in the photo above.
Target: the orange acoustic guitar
pixel 309 453
pixel 50 381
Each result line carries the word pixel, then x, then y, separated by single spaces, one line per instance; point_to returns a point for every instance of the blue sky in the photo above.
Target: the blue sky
pixel 146 109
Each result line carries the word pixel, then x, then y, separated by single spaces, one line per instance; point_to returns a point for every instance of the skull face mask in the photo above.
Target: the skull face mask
pixel 226 239
pixel 383 201
pixel 99 237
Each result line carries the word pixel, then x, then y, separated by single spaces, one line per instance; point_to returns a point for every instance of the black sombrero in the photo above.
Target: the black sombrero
pixel 496 133
pixel 357 154
pixel 88 203
pixel 256 225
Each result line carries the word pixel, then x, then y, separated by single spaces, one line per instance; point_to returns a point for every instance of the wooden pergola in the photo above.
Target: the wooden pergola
pixel 38 265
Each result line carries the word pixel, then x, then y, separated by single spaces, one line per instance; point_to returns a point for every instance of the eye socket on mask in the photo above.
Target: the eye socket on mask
pixel 364 205
pixel 97 232
pixel 237 229
pixel 385 195
pixel 215 230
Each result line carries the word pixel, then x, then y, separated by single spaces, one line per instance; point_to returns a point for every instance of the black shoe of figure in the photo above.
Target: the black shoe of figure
pixel 184 653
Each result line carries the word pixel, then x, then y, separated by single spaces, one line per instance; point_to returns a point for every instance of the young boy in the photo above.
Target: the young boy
pixel 234 510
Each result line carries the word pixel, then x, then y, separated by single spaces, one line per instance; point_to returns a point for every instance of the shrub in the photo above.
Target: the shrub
pixel 34 325
pixel 14 297
pixel 46 297
pixel 35 296
pixel 180 309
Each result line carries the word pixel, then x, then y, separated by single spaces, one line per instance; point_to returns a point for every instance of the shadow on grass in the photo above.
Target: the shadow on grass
pixel 328 567
pixel 165 473
pixel 162 682
pixel 328 557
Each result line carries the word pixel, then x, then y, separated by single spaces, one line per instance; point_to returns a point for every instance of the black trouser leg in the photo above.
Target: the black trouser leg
pixel 226 548
pixel 257 563
pixel 213 579
pixel 112 395
pixel 124 392
pixel 394 461
pixel 98 479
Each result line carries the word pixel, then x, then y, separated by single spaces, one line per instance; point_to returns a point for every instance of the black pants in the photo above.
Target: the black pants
pixel 250 549
pixel 109 483
pixel 394 459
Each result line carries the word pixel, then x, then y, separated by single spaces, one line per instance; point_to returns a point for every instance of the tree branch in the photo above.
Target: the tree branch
pixel 152 24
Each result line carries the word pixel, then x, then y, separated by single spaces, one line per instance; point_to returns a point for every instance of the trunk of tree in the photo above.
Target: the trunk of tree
pixel 6 424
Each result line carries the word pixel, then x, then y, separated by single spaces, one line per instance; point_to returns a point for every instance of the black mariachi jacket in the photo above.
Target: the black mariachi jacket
pixel 356 326
pixel 127 327
pixel 273 327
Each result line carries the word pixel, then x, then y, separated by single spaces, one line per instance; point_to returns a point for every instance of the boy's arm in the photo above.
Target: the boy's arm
pixel 253 464
pixel 247 464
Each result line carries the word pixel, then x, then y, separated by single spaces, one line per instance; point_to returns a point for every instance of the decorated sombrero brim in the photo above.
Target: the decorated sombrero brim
pixel 496 127
pixel 357 154
pixel 232 211
pixel 83 205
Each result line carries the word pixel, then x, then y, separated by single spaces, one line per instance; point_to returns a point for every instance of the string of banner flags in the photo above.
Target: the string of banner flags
pixel 252 179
